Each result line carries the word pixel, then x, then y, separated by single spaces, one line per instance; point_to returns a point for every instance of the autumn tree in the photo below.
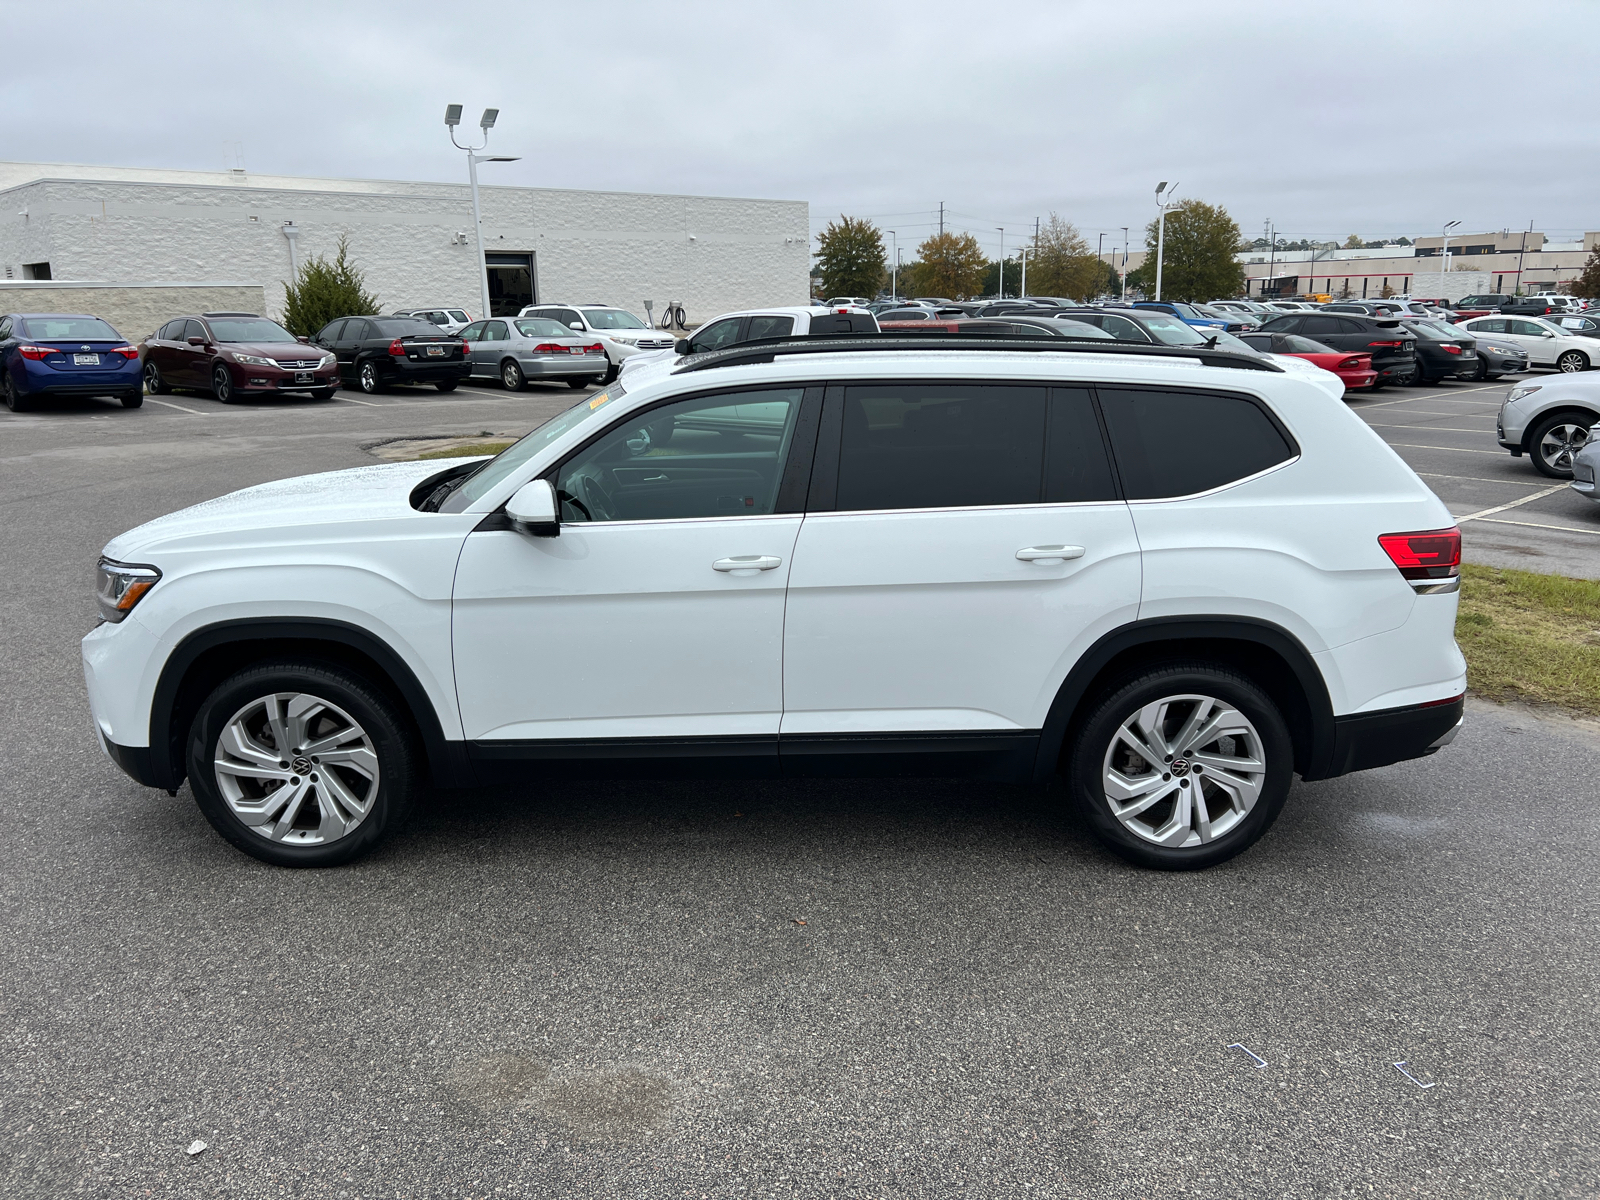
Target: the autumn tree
pixel 850 258
pixel 1355 242
pixel 1062 263
pixel 1198 261
pixel 1588 282
pixel 951 265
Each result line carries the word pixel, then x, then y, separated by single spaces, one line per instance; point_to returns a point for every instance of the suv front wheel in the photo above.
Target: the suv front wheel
pixel 1181 766
pixel 301 764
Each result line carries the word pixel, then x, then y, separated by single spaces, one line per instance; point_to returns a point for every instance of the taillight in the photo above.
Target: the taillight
pixel 396 349
pixel 1449 349
pixel 125 351
pixel 1384 345
pixel 549 348
pixel 37 353
pixel 597 348
pixel 1430 561
pixel 1350 364
pixel 465 349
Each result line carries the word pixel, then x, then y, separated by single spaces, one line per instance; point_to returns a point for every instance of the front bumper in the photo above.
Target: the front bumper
pixel 250 378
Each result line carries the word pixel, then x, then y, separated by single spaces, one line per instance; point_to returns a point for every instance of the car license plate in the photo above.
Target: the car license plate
pixel 86 360
pixel 435 351
pixel 576 350
pixel 1469 354
pixel 303 376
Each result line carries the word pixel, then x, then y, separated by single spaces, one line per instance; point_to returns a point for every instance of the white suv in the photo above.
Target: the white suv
pixel 620 332
pixel 1177 575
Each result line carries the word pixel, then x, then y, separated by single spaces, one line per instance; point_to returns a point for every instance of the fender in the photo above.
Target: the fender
pixel 447 761
pixel 1156 630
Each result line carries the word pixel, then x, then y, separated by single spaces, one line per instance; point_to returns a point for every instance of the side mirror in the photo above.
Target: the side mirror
pixel 306 340
pixel 578 325
pixel 533 509
pixel 681 346
pixel 195 341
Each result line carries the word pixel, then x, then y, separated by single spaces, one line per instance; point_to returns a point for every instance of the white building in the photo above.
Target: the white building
pixel 413 240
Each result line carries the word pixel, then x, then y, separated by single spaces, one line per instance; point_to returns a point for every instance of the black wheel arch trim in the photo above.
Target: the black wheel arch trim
pixel 449 765
pixel 1315 747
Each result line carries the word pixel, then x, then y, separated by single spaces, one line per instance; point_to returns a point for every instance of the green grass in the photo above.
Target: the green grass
pixel 1529 637
pixel 469 451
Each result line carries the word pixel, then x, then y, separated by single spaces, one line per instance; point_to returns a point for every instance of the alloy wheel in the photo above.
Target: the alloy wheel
pixel 1184 770
pixel 297 769
pixel 1572 361
pixel 1560 443
pixel 152 379
pixel 222 384
pixel 369 378
pixel 511 376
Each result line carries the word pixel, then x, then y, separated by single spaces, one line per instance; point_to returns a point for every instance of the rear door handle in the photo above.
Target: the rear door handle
pixel 746 564
pixel 1047 556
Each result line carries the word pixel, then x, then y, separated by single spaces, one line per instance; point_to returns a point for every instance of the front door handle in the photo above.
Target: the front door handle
pixel 746 564
pixel 1047 556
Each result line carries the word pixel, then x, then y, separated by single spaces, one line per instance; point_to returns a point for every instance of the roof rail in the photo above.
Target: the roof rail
pixel 769 349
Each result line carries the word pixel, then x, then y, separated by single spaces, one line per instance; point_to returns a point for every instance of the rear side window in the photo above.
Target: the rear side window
pixel 1179 443
pixel 769 327
pixel 1319 326
pixel 1076 468
pixel 941 446
pixel 1284 324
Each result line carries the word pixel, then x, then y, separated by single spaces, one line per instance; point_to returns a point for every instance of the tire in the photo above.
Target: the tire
pixel 132 399
pixel 612 371
pixel 367 377
pixel 1378 385
pixel 583 381
pixel 1491 376
pixel 1555 440
pixel 376 781
pixel 1101 755
pixel 1482 372
pixel 447 385
pixel 222 384
pixel 512 377
pixel 153 383
pixel 1572 362
pixel 15 401
pixel 323 393
pixel 1423 379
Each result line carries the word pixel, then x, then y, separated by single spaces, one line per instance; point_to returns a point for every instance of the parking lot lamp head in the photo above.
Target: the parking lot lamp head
pixel 452 115
pixel 490 115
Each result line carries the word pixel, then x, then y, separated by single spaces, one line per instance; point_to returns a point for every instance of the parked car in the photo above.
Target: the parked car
pixel 1233 320
pixel 1581 323
pixel 1585 469
pixel 235 354
pixel 1392 346
pixel 903 315
pixel 1354 370
pixel 1482 305
pixel 374 353
pixel 1547 344
pixel 621 333
pixel 847 302
pixel 1186 313
pixel 516 350
pixel 1496 356
pixel 65 354
pixel 1175 582
pixel 1443 351
pixel 451 320
pixel 1549 421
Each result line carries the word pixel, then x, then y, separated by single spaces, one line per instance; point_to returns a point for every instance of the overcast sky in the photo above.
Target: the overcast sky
pixel 1330 118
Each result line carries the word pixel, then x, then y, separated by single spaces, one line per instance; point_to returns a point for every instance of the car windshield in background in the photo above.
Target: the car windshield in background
pixel 405 327
pixel 1293 343
pixel 48 329
pixel 612 318
pixel 513 456
pixel 249 329
pixel 1169 330
pixel 538 327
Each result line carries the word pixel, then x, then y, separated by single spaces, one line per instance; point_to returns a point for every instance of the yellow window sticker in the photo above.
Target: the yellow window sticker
pixel 599 400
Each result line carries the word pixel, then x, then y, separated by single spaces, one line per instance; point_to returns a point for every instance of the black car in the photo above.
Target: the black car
pixel 1443 351
pixel 375 352
pixel 1391 344
pixel 1583 324
pixel 1146 325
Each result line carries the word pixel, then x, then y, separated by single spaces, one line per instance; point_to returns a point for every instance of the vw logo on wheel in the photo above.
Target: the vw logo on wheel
pixel 1180 767
pixel 301 766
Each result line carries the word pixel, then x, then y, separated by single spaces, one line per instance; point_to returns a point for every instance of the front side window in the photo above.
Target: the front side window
pixel 48 329
pixel 710 456
pixel 1123 330
pixel 715 335
pixel 1528 328
pixel 473 332
pixel 941 446
pixel 193 329
pixel 328 333
pixel 1180 443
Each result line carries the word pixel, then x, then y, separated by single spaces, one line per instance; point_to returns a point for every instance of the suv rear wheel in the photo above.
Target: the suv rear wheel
pixel 1181 766
pixel 301 764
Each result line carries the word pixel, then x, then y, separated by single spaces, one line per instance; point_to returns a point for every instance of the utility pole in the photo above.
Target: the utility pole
pixel 1272 252
pixel 1517 290
pixel 1124 264
pixel 1099 246
pixel 894 263
pixel 1000 293
pixel 941 218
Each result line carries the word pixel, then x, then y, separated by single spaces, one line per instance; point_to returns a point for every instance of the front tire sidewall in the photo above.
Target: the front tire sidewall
pixel 1536 438
pixel 222 385
pixel 378 715
pixel 153 382
pixel 1085 764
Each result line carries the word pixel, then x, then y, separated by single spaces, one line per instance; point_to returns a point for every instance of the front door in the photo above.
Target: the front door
pixel 1535 339
pixel 657 613
pixel 964 544
pixel 356 330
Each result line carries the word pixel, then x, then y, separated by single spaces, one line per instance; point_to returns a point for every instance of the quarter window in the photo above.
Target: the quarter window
pixel 712 456
pixel 1179 443
pixel 1076 468
pixel 941 446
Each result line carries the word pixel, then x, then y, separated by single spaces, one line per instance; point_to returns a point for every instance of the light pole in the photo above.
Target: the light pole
pixel 1446 253
pixel 894 264
pixel 1124 264
pixel 1000 293
pixel 452 118
pixel 1161 229
pixel 1024 255
pixel 1098 247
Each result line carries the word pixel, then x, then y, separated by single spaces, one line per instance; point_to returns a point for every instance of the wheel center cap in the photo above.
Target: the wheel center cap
pixel 302 765
pixel 1180 767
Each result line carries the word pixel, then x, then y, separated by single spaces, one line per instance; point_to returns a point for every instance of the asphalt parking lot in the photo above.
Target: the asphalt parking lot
pixel 886 989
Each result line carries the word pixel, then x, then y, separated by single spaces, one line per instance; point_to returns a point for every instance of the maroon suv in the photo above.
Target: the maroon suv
pixel 235 354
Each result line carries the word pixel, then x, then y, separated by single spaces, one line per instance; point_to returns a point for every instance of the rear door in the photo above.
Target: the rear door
pixel 964 543
pixel 1329 330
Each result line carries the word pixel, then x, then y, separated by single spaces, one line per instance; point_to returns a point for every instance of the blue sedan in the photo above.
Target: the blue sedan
pixel 1186 313
pixel 65 354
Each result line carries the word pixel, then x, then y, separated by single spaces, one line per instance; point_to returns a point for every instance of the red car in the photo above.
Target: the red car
pixel 1355 369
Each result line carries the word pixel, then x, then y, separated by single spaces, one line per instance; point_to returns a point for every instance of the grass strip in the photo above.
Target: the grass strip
pixel 468 451
pixel 1531 637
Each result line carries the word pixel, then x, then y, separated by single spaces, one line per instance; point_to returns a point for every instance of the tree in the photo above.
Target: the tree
pixel 1198 262
pixel 1062 264
pixel 850 258
pixel 323 291
pixel 1344 291
pixel 1354 242
pixel 1013 280
pixel 1588 281
pixel 952 265
pixel 1385 292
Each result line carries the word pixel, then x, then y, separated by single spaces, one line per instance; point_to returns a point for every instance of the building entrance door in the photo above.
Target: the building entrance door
pixel 511 283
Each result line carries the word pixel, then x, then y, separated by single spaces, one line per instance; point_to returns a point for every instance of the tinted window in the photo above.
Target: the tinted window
pixel 769 327
pixel 1320 326
pixel 193 329
pixel 1284 324
pixel 715 336
pixel 1180 443
pixel 356 330
pixel 1076 466
pixel 1257 341
pixel 393 327
pixel 1122 329
pixel 1487 325
pixel 712 456
pixel 567 317
pixel 458 314
pixel 329 332
pixel 941 446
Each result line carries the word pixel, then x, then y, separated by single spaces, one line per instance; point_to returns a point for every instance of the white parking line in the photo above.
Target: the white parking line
pixel 1414 399
pixel 1426 428
pixel 1486 512
pixel 368 403
pixel 1539 525
pixel 179 407
pixel 1455 449
pixel 1478 479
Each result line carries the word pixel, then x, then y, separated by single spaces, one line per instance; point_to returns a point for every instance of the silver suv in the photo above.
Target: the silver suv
pixel 1549 420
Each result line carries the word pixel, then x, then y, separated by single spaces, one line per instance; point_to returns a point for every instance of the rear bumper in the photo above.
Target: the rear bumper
pixel 50 382
pixel 1354 381
pixel 422 371
pixel 1376 739
pixel 564 368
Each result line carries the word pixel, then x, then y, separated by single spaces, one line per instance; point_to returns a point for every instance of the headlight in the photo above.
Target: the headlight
pixel 119 586
pixel 327 361
pixel 253 360
pixel 626 341
pixel 1521 390
pixel 1499 350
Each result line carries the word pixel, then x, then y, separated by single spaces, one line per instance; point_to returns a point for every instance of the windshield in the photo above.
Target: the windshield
pixel 49 329
pixel 612 318
pixel 1226 341
pixel 248 329
pixel 1169 330
pixel 509 460
pixel 537 327
pixel 1435 331
pixel 1293 343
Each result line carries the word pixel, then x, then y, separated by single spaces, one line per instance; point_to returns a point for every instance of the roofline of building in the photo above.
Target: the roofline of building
pixel 24 285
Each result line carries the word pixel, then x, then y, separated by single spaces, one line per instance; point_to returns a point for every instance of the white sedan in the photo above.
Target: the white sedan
pixel 1547 344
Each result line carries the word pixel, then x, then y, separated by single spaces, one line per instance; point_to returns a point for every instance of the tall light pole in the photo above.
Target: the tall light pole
pixel 1001 292
pixel 1446 253
pixel 894 264
pixel 1161 229
pixel 1098 247
pixel 1124 264
pixel 452 118
pixel 1024 252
